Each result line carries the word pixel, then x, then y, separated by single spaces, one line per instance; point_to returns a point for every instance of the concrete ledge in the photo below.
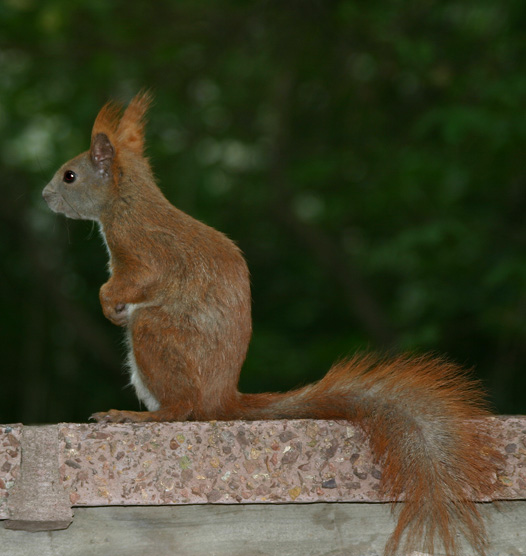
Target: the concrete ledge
pixel 152 464
pixel 37 500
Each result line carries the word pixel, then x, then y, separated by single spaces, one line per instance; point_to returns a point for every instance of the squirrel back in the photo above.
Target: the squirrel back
pixel 181 290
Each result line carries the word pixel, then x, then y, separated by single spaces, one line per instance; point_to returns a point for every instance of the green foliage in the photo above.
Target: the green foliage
pixel 367 158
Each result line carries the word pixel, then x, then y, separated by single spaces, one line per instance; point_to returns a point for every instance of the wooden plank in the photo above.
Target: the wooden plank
pixel 321 529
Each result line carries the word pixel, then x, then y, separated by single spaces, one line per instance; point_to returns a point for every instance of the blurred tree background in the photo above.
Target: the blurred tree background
pixel 368 157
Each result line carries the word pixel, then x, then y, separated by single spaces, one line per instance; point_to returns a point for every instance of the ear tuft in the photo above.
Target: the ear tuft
pixel 102 152
pixel 119 133
pixel 107 121
pixel 130 130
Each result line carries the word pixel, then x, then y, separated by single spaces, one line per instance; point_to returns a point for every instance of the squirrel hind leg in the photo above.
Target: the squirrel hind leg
pixel 180 413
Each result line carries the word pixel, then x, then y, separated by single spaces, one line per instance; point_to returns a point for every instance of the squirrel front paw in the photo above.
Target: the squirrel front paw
pixel 118 314
pixel 114 310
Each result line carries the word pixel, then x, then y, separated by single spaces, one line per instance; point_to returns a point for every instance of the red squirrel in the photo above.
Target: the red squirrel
pixel 181 290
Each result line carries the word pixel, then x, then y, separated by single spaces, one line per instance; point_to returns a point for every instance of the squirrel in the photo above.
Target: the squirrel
pixel 181 290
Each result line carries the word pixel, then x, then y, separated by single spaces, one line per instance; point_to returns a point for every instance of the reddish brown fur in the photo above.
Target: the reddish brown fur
pixel 130 131
pixel 107 121
pixel 182 291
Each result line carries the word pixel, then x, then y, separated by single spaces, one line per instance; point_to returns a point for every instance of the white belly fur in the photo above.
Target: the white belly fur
pixel 136 378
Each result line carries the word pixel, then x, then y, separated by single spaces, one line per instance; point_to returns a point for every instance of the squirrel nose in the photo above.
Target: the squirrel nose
pixel 47 194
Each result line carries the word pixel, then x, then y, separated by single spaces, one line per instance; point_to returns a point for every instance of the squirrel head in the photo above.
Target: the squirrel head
pixel 88 185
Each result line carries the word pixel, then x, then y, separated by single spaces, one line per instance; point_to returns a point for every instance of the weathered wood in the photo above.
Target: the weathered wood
pixel 243 530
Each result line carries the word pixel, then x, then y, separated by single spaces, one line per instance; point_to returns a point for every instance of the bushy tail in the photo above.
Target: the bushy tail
pixel 416 412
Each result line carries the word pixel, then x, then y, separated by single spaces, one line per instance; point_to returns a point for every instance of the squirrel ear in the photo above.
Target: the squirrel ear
pixel 130 131
pixel 102 152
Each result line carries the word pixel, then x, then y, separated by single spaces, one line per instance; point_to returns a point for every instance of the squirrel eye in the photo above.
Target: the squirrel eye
pixel 69 176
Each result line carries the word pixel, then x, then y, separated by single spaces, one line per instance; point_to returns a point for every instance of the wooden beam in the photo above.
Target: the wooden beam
pixel 324 529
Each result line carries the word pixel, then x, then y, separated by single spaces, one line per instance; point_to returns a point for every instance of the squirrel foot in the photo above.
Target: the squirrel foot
pixel 178 412
pixel 117 416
